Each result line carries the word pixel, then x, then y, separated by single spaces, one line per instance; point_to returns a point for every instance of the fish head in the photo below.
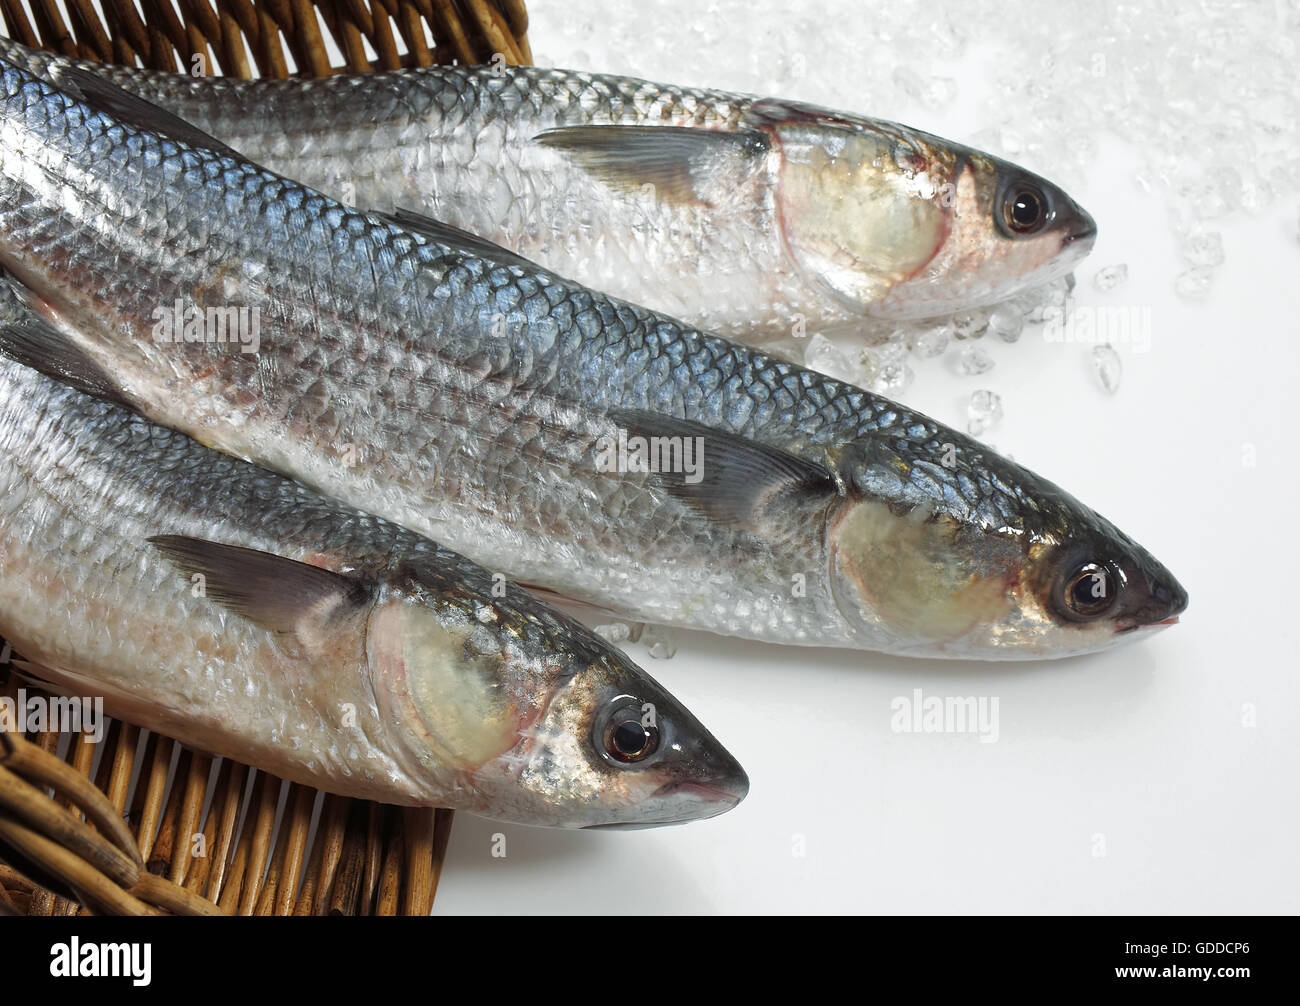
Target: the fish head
pixel 621 752
pixel 1007 230
pixel 980 558
pixel 535 720
pixel 898 224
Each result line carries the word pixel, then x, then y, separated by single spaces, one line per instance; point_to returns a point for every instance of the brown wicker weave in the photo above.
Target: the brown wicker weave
pixel 68 843
pixel 149 33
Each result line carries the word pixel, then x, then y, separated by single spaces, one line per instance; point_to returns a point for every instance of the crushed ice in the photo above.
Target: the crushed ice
pixel 1110 277
pixel 983 411
pixel 1106 366
pixel 1216 130
pixel 660 641
pixel 973 361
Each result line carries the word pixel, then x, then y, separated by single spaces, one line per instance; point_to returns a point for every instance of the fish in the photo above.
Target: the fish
pixel 755 218
pixel 574 442
pixel 223 604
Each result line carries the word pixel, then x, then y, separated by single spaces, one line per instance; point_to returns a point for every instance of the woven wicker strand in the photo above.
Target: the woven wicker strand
pixel 69 844
pixel 212 40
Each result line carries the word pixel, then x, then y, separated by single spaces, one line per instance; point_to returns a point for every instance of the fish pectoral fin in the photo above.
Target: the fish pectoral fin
pixel 586 612
pixel 106 97
pixel 730 479
pixel 445 233
pixel 678 161
pixel 282 595
pixel 34 342
pixel 34 672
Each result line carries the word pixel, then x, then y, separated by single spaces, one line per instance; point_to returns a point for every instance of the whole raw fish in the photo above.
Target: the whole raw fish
pixel 750 217
pixel 574 441
pixel 230 607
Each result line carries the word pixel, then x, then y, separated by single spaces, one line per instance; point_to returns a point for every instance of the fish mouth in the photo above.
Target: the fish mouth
pixel 1164 623
pixel 701 801
pixel 1078 228
pixel 1085 231
pixel 705 791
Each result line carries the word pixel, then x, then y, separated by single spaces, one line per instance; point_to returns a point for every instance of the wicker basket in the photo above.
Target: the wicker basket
pixel 116 830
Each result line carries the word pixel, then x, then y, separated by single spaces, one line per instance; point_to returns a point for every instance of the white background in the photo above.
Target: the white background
pixel 1142 752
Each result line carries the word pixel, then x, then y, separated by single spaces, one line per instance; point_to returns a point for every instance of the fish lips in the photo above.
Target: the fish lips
pixel 687 800
pixel 1166 600
pixel 1080 228
pixel 1078 231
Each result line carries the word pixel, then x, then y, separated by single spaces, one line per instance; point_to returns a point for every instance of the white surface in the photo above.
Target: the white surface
pixel 1144 745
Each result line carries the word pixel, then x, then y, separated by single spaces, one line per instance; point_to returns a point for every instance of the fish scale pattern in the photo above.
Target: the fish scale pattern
pixel 96 604
pixel 462 394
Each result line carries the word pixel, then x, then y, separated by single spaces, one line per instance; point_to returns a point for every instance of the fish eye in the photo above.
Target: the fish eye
pixel 626 737
pixel 1091 590
pixel 1025 209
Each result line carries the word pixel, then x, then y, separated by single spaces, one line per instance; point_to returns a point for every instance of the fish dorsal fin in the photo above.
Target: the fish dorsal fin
pixel 736 479
pixel 283 595
pixel 34 342
pixel 106 97
pixel 445 233
pixel 677 160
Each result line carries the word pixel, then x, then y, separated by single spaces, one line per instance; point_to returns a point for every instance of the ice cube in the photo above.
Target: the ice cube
pixel 1110 277
pixel 1225 180
pixel 1050 314
pixel 1194 284
pixel 970 324
pixel 660 640
pixel 983 411
pixel 973 360
pixel 1203 248
pixel 892 378
pixel 931 340
pixel 1007 322
pixel 825 357
pixel 1106 366
pixel 893 349
pixel 1041 301
pixel 613 632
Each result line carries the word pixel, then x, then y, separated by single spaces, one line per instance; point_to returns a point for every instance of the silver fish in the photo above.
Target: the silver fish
pixel 574 441
pixel 750 217
pixel 228 606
